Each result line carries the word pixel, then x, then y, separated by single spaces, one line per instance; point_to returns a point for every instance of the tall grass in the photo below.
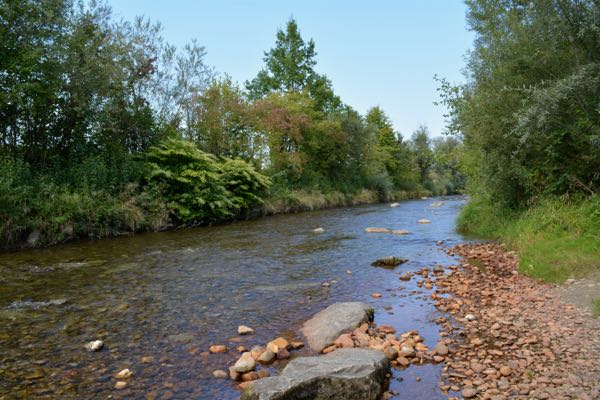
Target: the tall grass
pixel 556 238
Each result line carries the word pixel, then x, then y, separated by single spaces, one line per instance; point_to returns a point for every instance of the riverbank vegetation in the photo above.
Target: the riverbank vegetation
pixel 530 123
pixel 107 129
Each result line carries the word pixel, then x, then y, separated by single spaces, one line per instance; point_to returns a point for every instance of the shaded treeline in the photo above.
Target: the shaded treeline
pixel 530 118
pixel 105 128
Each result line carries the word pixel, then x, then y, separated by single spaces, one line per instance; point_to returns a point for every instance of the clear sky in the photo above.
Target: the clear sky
pixel 382 52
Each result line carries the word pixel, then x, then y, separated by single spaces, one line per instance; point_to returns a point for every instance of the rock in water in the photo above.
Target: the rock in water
pixel 327 325
pixel 389 261
pixel 245 363
pixel 424 221
pixel 400 232
pixel 393 205
pixel 318 230
pixel 378 230
pixel 244 330
pixel 124 374
pixel 96 345
pixel 350 374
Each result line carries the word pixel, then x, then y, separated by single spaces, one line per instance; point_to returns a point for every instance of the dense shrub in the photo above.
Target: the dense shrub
pixel 198 187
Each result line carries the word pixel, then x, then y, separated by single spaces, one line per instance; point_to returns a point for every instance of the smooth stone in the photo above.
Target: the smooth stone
pixel 469 393
pixel 393 205
pixel 217 348
pixel 441 349
pixel 351 374
pixel 377 230
pixel 318 230
pixel 96 345
pixel 244 330
pixel 327 325
pixel 424 221
pixel 266 356
pixel 124 374
pixel 245 363
pixel 220 374
pixel 406 276
pixel 120 385
pixel 400 232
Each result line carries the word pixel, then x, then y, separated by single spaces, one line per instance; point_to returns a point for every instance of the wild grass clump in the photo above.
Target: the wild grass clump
pixel 556 238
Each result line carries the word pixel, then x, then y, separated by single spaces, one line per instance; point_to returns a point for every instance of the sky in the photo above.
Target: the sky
pixel 378 52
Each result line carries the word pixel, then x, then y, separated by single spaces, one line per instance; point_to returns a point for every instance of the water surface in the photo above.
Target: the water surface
pixel 160 300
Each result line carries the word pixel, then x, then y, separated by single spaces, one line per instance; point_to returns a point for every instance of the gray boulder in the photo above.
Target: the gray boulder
pixel 328 324
pixel 351 374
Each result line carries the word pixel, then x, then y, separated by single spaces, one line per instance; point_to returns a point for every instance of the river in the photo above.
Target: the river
pixel 160 300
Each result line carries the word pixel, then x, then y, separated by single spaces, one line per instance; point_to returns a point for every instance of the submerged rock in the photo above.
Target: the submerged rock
pixel 389 261
pixel 378 230
pixel 424 221
pixel 400 232
pixel 327 325
pixel 351 374
pixel 96 345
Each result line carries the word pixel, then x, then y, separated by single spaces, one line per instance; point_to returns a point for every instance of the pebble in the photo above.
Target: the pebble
pixel 318 230
pixel 266 356
pixel 469 393
pixel 96 345
pixel 441 349
pixel 120 385
pixel 245 363
pixel 405 277
pixel 244 330
pixel 325 284
pixel 376 295
pixel 124 374
pixel 470 317
pixel 217 348
pixel 220 374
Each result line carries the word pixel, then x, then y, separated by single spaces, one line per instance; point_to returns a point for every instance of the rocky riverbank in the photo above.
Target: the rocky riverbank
pixel 511 337
pixel 503 336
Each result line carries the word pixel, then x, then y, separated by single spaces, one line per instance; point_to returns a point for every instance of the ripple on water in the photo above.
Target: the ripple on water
pixel 158 301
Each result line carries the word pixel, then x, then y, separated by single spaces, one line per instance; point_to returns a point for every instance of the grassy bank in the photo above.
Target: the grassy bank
pixel 556 238
pixel 303 200
pixel 47 214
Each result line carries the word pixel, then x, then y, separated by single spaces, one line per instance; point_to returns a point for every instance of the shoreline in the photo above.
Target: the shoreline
pixel 510 336
pixel 292 203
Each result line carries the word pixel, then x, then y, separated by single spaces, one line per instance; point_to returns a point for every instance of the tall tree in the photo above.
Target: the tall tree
pixel 289 67
pixel 421 146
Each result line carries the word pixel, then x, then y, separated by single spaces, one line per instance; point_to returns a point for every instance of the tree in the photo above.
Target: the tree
pixel 528 113
pixel 421 147
pixel 223 123
pixel 289 67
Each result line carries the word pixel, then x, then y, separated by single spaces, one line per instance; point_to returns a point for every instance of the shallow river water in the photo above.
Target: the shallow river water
pixel 160 300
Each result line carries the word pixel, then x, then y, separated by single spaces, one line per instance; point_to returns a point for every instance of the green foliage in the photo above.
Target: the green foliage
pixel 289 67
pixel 197 187
pixel 555 237
pixel 596 307
pixel 529 113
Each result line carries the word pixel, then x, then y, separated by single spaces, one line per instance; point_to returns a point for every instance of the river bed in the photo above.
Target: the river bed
pixel 160 300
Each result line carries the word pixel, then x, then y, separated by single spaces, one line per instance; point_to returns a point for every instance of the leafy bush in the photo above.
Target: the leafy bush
pixel 197 187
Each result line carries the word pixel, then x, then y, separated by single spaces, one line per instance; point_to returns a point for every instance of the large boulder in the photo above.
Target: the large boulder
pixel 351 374
pixel 327 325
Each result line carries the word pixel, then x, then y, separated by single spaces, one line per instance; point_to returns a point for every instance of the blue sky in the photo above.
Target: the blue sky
pixel 375 52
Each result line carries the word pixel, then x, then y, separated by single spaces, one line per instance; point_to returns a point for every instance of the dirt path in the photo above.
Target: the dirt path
pixel 513 337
